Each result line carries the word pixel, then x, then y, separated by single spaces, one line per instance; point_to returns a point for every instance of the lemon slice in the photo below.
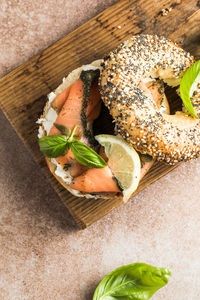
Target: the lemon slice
pixel 124 162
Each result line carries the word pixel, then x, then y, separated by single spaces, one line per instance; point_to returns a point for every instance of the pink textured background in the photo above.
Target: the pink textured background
pixel 43 255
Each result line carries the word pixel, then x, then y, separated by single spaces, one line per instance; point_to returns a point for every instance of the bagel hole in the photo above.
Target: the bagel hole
pixel 173 98
pixel 104 123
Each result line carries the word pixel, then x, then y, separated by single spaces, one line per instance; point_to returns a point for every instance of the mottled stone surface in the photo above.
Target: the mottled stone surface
pixel 43 255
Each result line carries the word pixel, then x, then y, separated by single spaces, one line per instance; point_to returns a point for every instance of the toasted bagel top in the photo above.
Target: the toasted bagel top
pixel 168 138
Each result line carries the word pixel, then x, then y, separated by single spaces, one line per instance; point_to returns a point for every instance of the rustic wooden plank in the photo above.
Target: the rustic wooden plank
pixel 23 91
pixel 188 34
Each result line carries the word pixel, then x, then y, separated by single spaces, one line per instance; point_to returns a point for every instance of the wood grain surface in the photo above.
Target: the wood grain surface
pixel 23 91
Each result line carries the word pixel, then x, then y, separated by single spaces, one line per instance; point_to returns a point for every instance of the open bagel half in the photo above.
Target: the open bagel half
pixel 46 122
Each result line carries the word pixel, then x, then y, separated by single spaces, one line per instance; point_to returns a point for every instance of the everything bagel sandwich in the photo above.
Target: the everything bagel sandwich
pixel 91 146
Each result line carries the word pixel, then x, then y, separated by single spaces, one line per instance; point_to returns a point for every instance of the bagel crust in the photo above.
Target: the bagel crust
pixel 169 138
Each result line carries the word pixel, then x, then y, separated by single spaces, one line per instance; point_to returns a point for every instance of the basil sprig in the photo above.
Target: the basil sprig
pixel 188 85
pixel 137 281
pixel 53 146
pixel 86 156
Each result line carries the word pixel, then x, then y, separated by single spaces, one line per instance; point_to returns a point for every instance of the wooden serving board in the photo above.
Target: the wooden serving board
pixel 23 91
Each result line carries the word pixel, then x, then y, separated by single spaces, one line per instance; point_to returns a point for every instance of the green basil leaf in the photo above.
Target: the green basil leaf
pixel 137 281
pixel 63 129
pixel 53 145
pixel 86 156
pixel 188 84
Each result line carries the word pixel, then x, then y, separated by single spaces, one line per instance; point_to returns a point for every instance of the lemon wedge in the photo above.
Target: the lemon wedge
pixel 124 162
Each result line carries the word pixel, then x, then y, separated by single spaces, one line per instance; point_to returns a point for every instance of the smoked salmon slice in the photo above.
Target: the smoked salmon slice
pixel 69 104
pixel 70 114
pixel 59 101
pixel 95 181
pixel 145 167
